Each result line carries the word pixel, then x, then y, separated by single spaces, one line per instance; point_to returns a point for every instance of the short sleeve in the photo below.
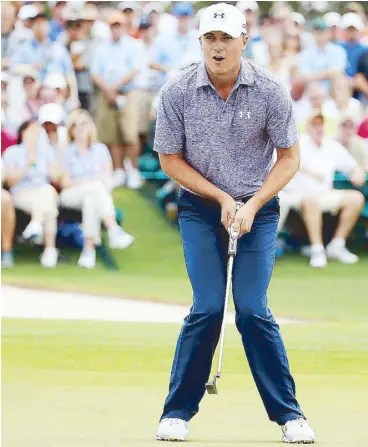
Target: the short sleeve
pixel 104 154
pixel 281 122
pixel 340 60
pixel 170 133
pixel 344 161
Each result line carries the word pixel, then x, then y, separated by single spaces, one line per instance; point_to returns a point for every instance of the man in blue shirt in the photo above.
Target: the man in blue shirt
pixel 114 68
pixel 352 25
pixel 323 61
pixel 57 21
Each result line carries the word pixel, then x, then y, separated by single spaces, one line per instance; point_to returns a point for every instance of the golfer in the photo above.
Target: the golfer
pixel 218 124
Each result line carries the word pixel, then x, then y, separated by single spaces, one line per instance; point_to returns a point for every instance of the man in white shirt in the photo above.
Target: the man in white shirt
pixel 312 190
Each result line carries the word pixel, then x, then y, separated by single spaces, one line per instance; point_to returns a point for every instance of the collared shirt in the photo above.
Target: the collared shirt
pixel 179 46
pixel 325 160
pixel 230 143
pixel 80 165
pixel 115 60
pixel 316 60
pixel 353 51
pixel 52 55
pixel 16 158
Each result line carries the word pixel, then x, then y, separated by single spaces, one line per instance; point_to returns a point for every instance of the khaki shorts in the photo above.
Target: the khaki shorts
pixel 328 201
pixel 145 99
pixel 118 126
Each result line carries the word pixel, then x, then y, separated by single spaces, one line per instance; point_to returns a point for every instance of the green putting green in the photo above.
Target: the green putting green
pixel 102 385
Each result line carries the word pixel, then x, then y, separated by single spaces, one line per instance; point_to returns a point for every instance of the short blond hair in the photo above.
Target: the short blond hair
pixel 74 116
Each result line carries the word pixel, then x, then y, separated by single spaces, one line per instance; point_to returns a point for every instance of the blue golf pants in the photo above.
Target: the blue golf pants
pixel 205 244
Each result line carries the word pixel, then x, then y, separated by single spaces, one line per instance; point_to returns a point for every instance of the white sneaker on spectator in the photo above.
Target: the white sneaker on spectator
pixel 172 429
pixel 337 250
pixel 33 231
pixel 118 178
pixel 318 258
pixel 119 239
pixel 87 258
pixel 135 180
pixel 49 257
pixel 298 431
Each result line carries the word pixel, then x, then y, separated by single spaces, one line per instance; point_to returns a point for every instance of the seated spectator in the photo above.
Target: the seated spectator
pixel 86 185
pixel 341 92
pixel 356 145
pixel 360 82
pixel 59 92
pixel 7 229
pixel 352 25
pixel 291 50
pixel 29 169
pixel 323 61
pixel 313 184
pixel 44 55
pixel 278 65
pixel 9 121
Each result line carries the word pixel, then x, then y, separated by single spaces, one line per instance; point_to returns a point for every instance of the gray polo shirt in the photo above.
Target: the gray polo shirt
pixel 230 143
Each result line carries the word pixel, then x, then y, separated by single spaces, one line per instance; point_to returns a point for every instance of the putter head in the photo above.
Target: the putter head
pixel 211 386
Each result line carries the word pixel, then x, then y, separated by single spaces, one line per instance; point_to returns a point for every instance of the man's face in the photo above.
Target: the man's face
pixel 347 129
pixel 222 52
pixel 184 23
pixel 50 127
pixel 116 31
pixel 41 28
pixel 73 28
pixel 352 34
pixel 129 15
pixel 316 128
pixel 321 36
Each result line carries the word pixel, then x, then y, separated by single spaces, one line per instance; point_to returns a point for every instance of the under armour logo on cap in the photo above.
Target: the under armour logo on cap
pixel 219 15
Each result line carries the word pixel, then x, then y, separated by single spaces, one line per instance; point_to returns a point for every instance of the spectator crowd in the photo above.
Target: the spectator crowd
pixel 80 84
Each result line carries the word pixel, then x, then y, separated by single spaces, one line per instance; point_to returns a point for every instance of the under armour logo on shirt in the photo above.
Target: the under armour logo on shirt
pixel 246 113
pixel 219 15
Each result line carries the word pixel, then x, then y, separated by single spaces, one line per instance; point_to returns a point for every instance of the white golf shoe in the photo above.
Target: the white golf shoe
pixel 338 251
pixel 318 258
pixel 172 429
pixel 298 431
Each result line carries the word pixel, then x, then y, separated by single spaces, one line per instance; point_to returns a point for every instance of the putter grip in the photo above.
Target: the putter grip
pixel 233 239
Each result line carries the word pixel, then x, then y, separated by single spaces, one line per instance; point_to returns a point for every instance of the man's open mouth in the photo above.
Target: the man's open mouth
pixel 218 58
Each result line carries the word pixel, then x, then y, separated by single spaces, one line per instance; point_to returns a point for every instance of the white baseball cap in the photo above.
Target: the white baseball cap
pixel 55 80
pixel 351 20
pixel 298 18
pixel 332 19
pixel 27 12
pixel 51 113
pixel 245 6
pixel 222 17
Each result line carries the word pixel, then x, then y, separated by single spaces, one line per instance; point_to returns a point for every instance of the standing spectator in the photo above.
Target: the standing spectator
pixel 8 14
pixel 352 25
pixel 54 133
pixel 7 228
pixel 86 185
pixel 361 78
pixel 131 14
pixel 292 48
pixel 153 12
pixel 342 92
pixel 278 65
pixel 57 22
pixel 88 15
pixel 114 67
pixel 151 76
pixel 45 56
pixel 29 169
pixel 58 91
pixel 333 20
pixel 23 27
pixel 355 144
pixel 306 38
pixel 31 86
pixel 322 62
pixel 320 158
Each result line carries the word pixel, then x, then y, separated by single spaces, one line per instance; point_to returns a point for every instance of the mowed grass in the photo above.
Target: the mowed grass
pixel 103 385
pixel 154 269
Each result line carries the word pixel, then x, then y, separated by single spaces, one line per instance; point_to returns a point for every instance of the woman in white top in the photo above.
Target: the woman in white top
pixel 86 185
pixel 342 92
pixel 29 168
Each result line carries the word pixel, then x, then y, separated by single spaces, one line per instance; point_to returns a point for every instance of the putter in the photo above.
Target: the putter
pixel 211 386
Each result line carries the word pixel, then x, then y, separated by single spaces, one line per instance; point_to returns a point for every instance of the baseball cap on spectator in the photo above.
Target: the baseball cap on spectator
pixel 145 23
pixel 222 17
pixel 351 20
pixel 51 113
pixel 183 10
pixel 153 7
pixel 332 19
pixel 348 116
pixel 40 15
pixel 27 12
pixel 115 17
pixel 90 13
pixel 71 16
pixel 123 6
pixel 319 24
pixel 101 31
pixel 26 71
pixel 298 18
pixel 55 80
pixel 247 6
pixel 5 77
